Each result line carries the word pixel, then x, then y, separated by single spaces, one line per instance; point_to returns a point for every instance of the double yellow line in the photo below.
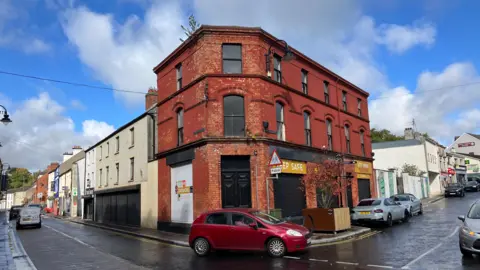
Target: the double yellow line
pixel 363 236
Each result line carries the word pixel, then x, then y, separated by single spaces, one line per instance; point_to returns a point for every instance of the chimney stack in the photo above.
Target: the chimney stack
pixel 151 98
pixel 67 156
pixel 76 149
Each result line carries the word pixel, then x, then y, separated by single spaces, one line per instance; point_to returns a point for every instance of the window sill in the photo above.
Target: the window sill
pixel 115 184
pixel 116 153
pixel 131 146
pixel 131 180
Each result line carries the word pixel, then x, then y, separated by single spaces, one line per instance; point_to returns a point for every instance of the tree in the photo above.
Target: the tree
pixel 191 28
pixel 324 177
pixel 412 170
pixel 384 135
pixel 19 177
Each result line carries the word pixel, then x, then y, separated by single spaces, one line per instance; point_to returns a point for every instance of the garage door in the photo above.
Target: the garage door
pixel 121 208
pixel 288 195
pixel 364 189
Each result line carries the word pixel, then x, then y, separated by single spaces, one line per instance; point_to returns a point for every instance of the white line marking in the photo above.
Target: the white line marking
pixel 421 256
pixel 68 236
pixel 454 232
pixel 317 260
pixel 380 266
pixel 349 263
pixel 295 258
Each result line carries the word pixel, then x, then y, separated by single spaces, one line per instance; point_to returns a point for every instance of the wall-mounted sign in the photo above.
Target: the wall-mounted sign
pixel 467 161
pixel 363 167
pixel 451 171
pixel 182 188
pixel 74 191
pixel 295 167
pixel 466 144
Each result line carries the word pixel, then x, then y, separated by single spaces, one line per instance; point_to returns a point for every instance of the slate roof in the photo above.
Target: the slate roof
pixel 394 144
pixel 474 135
pixel 67 165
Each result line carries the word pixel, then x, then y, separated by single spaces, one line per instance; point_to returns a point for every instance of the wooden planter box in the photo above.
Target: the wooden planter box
pixel 327 219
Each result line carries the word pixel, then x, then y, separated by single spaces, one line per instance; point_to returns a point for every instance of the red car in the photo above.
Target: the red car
pixel 246 229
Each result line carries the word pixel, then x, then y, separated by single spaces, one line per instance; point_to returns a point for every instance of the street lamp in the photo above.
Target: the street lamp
pixel 287 57
pixel 6 118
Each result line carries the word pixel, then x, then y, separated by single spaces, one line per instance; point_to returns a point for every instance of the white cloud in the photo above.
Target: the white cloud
pixel 123 55
pixel 36 46
pixel 40 133
pixel 400 38
pixel 78 105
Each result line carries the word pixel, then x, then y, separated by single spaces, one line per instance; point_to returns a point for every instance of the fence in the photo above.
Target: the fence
pixel 416 185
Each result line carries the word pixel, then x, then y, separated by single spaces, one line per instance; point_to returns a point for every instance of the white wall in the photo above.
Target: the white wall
pixel 413 185
pixel 181 205
pixel 51 179
pixel 91 168
pixel 396 157
pixel 465 138
pixel 432 157
pixel 149 197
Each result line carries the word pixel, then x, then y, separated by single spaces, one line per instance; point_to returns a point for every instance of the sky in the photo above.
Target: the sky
pixel 417 59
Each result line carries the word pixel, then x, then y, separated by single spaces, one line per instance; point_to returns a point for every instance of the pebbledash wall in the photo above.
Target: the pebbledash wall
pixel 199 173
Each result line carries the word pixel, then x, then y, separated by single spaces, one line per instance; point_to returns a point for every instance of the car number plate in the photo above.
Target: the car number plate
pixel 364 213
pixel 26 219
pixel 452 193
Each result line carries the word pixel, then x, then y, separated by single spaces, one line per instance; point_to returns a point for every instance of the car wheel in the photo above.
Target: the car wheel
pixel 463 194
pixel 421 210
pixel 464 252
pixel 407 215
pixel 389 220
pixel 201 247
pixel 276 248
pixel 19 227
pixel 39 225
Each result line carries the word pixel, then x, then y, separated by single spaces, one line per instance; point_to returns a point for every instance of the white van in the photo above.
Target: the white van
pixel 29 216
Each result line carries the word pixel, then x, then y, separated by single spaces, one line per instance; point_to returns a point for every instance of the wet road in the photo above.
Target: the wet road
pixel 429 241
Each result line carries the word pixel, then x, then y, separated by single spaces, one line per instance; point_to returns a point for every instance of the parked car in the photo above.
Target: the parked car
pixel 469 233
pixel 246 229
pixel 454 189
pixel 29 216
pixel 410 202
pixel 14 211
pixel 472 186
pixel 383 210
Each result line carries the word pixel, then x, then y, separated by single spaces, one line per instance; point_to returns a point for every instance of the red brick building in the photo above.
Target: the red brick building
pixel 224 107
pixel 41 185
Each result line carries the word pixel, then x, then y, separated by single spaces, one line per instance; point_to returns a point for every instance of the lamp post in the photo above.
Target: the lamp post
pixel 6 118
pixel 4 183
pixel 287 57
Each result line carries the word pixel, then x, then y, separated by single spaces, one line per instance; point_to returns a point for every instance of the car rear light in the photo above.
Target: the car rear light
pixel 378 211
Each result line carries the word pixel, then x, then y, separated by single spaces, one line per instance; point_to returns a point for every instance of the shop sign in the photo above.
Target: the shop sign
pixel 467 161
pixel 89 191
pixel 363 176
pixel 451 171
pixel 74 191
pixel 295 167
pixel 182 188
pixel 363 167
pixel 466 144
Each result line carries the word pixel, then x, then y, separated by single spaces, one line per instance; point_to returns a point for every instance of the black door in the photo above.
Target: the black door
pixel 364 189
pixel 236 191
pixel 121 208
pixel 288 195
pixel 349 196
pixel 88 209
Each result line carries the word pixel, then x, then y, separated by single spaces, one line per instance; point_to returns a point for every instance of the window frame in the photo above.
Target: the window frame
pixel 108 149
pixel 326 92
pixel 277 73
pixel 218 224
pixel 359 107
pixel 231 117
pixel 243 215
pixel 107 172
pixel 117 142
pixel 329 123
pixel 346 128
pixel 132 169
pixel 117 169
pixel 232 59
pixel 280 121
pixel 362 142
pixel 132 136
pixel 304 81
pixel 100 177
pixel 180 126
pixel 308 128
pixel 179 76
pixel 344 100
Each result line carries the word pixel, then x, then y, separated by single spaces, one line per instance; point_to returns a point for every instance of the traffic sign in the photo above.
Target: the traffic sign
pixel 276 170
pixel 275 159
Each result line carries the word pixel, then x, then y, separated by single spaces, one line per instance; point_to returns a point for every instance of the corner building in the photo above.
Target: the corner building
pixel 216 96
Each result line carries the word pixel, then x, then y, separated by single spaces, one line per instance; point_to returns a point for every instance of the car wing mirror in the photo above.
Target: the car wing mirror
pixel 253 225
pixel 462 218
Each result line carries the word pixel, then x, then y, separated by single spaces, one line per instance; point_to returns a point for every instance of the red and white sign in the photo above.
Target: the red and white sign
pixel 466 144
pixel 275 159
pixel 451 171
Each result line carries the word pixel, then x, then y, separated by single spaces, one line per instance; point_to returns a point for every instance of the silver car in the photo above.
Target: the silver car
pixel 411 203
pixel 383 210
pixel 469 233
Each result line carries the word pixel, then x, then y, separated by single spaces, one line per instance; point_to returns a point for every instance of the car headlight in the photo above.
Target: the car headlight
pixel 293 233
pixel 468 231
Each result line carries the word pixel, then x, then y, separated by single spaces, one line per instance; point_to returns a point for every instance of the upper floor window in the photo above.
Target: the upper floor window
pixel 308 131
pixel 326 92
pixel 362 141
pixel 179 76
pixel 277 68
pixel 108 149
pixel 234 116
pixel 132 136
pixel 329 134
pixel 344 100
pixel 101 150
pixel 117 144
pixel 232 58
pixel 305 81
pixel 180 127
pixel 280 122
pixel 347 138
pixel 359 107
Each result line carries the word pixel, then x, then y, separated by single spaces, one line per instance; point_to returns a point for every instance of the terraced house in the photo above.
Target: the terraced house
pixel 227 98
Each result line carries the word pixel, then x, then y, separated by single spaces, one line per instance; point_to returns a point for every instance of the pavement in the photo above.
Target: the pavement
pixel 428 241
pixel 6 258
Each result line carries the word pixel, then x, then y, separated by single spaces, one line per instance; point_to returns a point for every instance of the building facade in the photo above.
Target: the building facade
pixel 67 189
pixel 467 143
pixel 123 191
pixel 224 107
pixel 88 200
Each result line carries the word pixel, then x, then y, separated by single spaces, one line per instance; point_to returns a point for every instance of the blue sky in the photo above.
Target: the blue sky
pixel 393 49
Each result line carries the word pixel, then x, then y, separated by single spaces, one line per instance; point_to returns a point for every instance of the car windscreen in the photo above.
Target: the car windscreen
pixel 472 183
pixel 401 198
pixel 266 218
pixel 454 185
pixel 474 212
pixel 369 202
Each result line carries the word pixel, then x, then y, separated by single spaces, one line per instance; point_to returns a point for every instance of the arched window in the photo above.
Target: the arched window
pixel 308 131
pixel 347 138
pixel 362 141
pixel 233 116
pixel 180 127
pixel 329 134
pixel 280 122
